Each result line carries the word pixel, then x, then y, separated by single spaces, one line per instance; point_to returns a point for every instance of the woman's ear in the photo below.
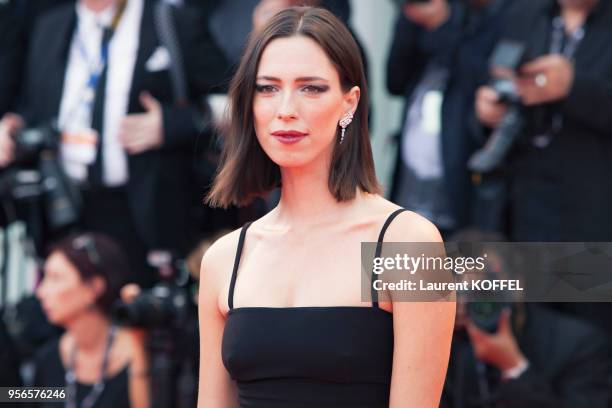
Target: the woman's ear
pixel 351 99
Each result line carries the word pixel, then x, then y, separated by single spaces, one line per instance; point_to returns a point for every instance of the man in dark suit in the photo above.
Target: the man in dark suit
pixel 520 354
pixel 10 55
pixel 565 363
pixel 437 60
pixel 103 70
pixel 559 168
pixel 17 18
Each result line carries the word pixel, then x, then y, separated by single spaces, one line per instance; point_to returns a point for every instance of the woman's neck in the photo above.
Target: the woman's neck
pixel 306 199
pixel 97 5
pixel 89 332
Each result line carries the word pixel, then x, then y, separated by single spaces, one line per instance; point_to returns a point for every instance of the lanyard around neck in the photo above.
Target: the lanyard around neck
pixel 95 68
pixel 97 389
pixel 568 49
pixel 557 45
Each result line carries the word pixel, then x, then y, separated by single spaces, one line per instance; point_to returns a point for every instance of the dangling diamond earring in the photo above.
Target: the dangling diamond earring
pixel 346 120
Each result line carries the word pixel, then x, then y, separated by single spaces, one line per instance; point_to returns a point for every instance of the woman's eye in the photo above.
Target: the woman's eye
pixel 313 89
pixel 265 88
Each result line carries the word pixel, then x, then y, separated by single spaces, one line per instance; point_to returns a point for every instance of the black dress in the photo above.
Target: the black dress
pixel 299 357
pixel 50 372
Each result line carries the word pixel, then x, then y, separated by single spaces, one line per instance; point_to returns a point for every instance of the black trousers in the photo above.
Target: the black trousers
pixel 106 210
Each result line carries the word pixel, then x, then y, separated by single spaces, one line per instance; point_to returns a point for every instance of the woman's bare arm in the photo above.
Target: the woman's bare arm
pixel 422 331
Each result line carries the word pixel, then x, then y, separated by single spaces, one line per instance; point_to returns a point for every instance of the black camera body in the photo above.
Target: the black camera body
pixel 31 142
pixel 168 304
pixel 506 90
pixel 168 313
pixel 485 315
pixel 506 58
pixel 37 174
pixel 164 305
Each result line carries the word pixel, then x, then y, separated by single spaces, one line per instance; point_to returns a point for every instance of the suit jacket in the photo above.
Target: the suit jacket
pixel 569 367
pixel 159 180
pixel 11 55
pixel 563 192
pixel 464 50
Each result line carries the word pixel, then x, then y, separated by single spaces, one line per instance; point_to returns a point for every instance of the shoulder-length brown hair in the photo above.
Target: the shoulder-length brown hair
pixel 246 171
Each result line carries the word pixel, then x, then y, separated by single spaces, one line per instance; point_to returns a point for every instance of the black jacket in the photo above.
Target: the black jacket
pixel 159 180
pixel 563 192
pixel 569 367
pixel 463 46
pixel 11 56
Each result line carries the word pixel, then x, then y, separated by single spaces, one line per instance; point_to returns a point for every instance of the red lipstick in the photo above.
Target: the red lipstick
pixel 289 136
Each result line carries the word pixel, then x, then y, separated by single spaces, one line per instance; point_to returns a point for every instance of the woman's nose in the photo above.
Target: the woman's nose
pixel 287 109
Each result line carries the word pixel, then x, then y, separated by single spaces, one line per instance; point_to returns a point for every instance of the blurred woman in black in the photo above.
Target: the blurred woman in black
pixel 100 364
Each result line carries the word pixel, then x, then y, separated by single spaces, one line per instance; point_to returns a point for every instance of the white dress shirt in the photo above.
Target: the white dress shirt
pixel 85 54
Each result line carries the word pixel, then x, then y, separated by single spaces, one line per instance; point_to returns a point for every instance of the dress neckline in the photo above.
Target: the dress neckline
pixel 374 293
pixel 304 308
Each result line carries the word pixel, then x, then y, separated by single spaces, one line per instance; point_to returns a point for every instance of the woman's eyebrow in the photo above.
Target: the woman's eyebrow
pixel 310 79
pixel 268 78
pixel 300 79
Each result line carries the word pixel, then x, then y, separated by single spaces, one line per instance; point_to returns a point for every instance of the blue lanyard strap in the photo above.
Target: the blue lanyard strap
pixel 571 45
pixel 95 69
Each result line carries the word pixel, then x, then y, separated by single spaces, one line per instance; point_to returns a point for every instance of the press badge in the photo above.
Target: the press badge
pixel 431 110
pixel 78 150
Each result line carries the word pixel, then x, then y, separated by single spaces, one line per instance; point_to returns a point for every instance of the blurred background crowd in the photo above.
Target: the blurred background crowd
pixel 492 118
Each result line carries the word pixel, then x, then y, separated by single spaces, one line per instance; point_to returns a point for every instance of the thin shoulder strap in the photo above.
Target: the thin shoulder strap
pixel 379 244
pixel 230 298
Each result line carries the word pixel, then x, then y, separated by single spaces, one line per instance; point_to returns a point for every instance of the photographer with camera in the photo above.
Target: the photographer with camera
pixel 535 358
pixel 558 168
pixel 168 313
pixel 437 61
pixel 116 87
pixel 560 165
pixel 98 362
pixel 518 354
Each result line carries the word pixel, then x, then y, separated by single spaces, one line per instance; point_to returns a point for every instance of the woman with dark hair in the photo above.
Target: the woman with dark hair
pixel 289 328
pixel 100 364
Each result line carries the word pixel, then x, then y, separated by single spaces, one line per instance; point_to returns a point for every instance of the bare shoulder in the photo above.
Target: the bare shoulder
pixel 407 226
pixel 219 257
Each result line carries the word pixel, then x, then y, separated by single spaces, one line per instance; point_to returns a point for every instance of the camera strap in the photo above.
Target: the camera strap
pixel 95 66
pixel 567 46
pixel 559 44
pixel 92 397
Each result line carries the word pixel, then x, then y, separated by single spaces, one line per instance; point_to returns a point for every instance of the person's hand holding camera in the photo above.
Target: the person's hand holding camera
pixel 489 110
pixel 546 79
pixel 10 124
pixel 128 294
pixel 431 14
pixel 499 349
